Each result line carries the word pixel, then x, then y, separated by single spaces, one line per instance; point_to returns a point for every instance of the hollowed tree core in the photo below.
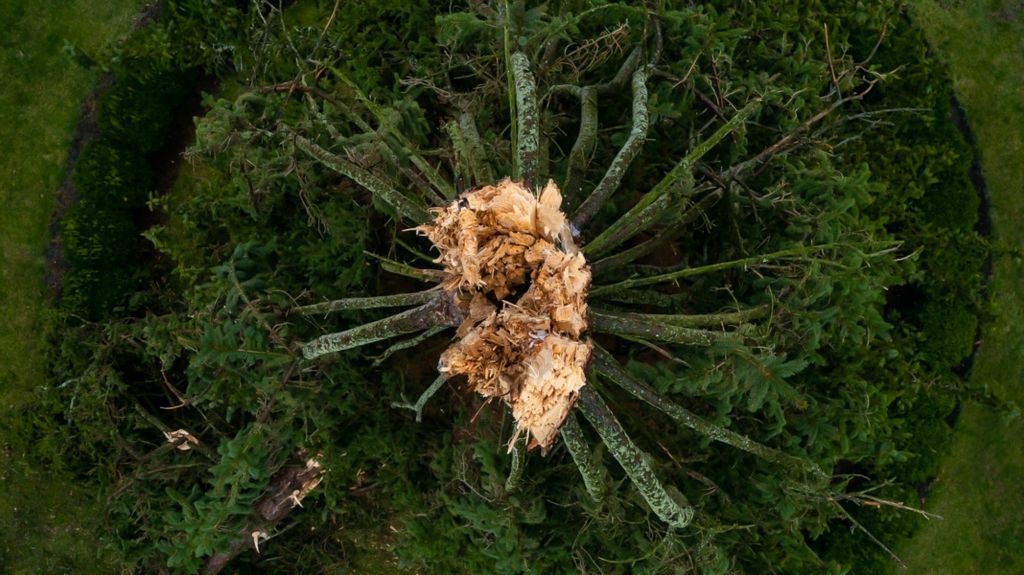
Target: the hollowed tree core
pixel 513 267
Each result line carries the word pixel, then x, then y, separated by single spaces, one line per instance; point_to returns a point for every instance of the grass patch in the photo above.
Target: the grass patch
pixel 43 528
pixel 979 492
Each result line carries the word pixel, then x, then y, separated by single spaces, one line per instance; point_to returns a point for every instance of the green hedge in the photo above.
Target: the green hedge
pixel 94 294
pixel 947 332
pixel 113 176
pixel 97 237
pixel 136 112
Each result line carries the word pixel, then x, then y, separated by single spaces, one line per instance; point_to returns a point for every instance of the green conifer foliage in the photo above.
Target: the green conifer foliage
pixel 742 233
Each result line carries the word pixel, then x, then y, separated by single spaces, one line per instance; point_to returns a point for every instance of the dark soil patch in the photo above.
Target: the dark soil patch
pixel 983 226
pixel 166 161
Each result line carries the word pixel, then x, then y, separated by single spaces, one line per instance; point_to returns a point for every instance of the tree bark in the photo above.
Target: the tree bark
pixel 286 490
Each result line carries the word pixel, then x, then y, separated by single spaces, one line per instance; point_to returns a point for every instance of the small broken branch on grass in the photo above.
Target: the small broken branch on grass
pixel 176 437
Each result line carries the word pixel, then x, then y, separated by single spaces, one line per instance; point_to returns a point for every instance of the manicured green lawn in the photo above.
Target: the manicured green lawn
pixel 980 492
pixel 45 526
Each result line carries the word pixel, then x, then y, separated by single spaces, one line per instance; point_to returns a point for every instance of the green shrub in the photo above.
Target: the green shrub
pixel 948 331
pixel 96 294
pixel 925 436
pixel 953 263
pixel 136 112
pixel 113 176
pixel 203 32
pixel 97 237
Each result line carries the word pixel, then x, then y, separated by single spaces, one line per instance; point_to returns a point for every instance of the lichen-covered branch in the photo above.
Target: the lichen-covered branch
pixel 579 156
pixel 703 319
pixel 404 206
pixel 470 150
pixel 406 344
pixel 617 233
pixel 605 364
pixel 679 180
pixel 623 74
pixel 439 311
pixel 423 399
pixel 399 268
pixel 396 300
pixel 527 120
pixel 617 169
pixel 684 169
pixel 634 325
pixel 518 460
pixel 634 461
pixel 592 471
pixel 670 232
pixel 401 141
pixel 710 268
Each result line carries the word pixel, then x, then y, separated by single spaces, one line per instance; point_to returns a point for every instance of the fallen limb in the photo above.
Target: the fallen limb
pixel 439 311
pixel 605 364
pixel 396 300
pixel 751 261
pixel 423 399
pixel 583 149
pixel 617 169
pixel 676 513
pixel 527 120
pixel 404 206
pixel 592 471
pixel 702 319
pixel 637 325
pixel 286 491
pixel 679 180
pixel 662 237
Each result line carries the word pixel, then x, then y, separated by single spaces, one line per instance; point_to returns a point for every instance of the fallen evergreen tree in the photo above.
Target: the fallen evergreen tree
pixel 683 272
